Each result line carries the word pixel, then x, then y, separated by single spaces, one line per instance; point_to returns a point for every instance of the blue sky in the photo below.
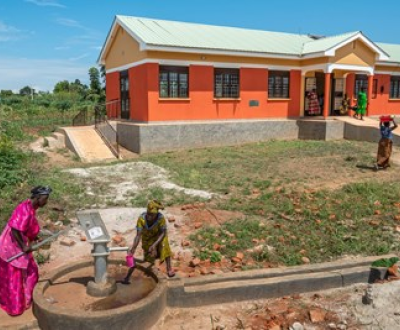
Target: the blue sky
pixel 45 41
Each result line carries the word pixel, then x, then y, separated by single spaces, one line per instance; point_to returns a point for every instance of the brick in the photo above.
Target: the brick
pixel 67 242
pixel 317 315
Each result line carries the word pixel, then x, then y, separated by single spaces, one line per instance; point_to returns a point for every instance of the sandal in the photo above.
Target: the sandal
pixel 171 273
pixel 125 282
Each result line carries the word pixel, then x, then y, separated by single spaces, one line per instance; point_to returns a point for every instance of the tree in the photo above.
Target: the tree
pixel 61 87
pixel 103 73
pixel 6 93
pixel 95 85
pixel 78 87
pixel 27 90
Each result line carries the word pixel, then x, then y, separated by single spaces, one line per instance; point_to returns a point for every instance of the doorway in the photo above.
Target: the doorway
pixel 125 101
pixel 318 83
pixel 337 95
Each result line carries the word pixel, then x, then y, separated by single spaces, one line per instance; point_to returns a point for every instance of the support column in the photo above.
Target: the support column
pixel 369 94
pixel 327 94
pixel 302 93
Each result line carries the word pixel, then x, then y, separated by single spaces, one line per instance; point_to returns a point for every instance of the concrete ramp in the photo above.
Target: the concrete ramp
pixel 87 144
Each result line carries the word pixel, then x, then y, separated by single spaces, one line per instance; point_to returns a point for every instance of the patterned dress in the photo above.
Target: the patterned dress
pixel 314 108
pixel 385 147
pixel 19 277
pixel 150 234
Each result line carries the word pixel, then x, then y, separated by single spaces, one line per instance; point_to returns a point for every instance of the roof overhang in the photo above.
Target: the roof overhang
pixel 214 51
pixel 388 63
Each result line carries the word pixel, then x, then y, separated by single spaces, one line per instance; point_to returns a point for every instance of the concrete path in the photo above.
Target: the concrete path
pixel 87 144
pixel 367 122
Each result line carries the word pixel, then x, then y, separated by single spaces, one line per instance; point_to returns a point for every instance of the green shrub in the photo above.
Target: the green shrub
pixel 12 163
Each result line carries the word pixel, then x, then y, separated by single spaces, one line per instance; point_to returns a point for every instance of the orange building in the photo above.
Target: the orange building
pixel 161 71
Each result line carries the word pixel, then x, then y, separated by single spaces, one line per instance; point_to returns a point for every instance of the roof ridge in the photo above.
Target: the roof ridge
pixel 211 25
pixel 347 34
pixel 335 36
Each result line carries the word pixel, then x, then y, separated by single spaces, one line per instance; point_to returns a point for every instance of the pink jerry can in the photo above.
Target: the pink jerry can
pixel 130 261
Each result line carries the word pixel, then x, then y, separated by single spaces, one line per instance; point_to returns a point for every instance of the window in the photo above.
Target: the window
pixel 394 87
pixel 124 85
pixel 360 83
pixel 278 84
pixel 174 82
pixel 226 83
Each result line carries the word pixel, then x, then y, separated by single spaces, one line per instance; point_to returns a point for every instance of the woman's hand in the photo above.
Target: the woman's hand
pixel 27 248
pixel 153 251
pixel 131 251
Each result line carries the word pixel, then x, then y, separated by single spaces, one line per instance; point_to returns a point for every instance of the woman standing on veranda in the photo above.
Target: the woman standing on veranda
pixel 314 108
pixel 362 102
pixel 19 277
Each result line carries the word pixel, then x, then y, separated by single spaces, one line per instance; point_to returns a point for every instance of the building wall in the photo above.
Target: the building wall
pixel 122 50
pixel 112 93
pixel 141 81
pixel 382 104
pixel 146 138
pixel 354 53
pixel 201 104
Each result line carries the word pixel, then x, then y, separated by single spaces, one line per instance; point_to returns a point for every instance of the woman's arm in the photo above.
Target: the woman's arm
pixel 17 235
pixel 159 239
pixel 136 242
pixel 394 126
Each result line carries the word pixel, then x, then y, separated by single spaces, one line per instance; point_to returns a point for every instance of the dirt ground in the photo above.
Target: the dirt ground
pixel 332 309
pixel 335 309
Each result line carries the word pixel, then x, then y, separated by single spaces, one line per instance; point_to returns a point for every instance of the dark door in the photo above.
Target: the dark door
pixel 125 101
pixel 337 95
pixel 320 76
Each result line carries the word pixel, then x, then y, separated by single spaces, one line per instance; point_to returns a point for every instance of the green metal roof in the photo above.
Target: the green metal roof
pixel 392 49
pixel 323 44
pixel 161 33
pixel 190 35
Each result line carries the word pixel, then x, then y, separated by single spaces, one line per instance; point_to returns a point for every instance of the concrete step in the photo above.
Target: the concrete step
pixel 53 143
pixel 59 136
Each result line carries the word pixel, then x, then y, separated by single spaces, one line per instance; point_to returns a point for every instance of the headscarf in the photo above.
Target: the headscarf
pixel 153 206
pixel 41 190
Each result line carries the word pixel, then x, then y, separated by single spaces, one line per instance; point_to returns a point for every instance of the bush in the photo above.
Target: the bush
pixel 12 100
pixel 12 163
pixel 12 130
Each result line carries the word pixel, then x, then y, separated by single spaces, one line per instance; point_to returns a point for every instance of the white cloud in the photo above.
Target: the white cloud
pixel 8 32
pixel 78 57
pixel 44 74
pixel 69 22
pixel 62 48
pixel 46 3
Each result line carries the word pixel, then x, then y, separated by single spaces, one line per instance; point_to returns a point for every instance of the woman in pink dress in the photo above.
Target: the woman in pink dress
pixel 314 108
pixel 19 277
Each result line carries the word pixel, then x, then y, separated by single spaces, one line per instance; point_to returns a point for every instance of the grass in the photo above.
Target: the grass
pixel 302 199
pixel 67 197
